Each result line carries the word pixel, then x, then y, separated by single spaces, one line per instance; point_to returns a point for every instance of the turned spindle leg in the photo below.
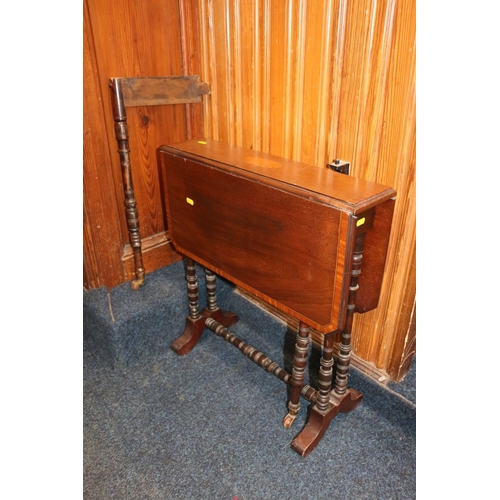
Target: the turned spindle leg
pixel 196 322
pixel 213 310
pixel 344 358
pixel 211 286
pixel 298 373
pixel 192 290
pixel 330 403
pixel 325 373
pixel 121 134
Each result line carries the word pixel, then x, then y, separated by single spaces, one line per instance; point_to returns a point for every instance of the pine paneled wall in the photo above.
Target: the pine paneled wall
pixel 314 81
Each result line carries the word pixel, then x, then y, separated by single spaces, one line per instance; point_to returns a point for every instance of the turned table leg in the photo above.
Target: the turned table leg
pixel 344 358
pixel 196 321
pixel 212 310
pixel 330 403
pixel 298 373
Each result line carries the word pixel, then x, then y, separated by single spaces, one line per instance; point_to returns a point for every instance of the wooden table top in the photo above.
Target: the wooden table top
pixel 323 184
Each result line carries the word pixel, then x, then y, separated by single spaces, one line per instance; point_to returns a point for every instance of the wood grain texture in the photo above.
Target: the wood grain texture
pixel 188 11
pixel 131 39
pixel 162 90
pixel 102 235
pixel 325 80
pixel 229 208
pixel 126 36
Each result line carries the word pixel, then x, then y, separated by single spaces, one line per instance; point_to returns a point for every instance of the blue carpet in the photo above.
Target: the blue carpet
pixel 208 425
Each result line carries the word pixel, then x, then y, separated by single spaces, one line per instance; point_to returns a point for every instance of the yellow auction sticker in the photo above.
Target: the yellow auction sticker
pixel 190 201
pixel 360 222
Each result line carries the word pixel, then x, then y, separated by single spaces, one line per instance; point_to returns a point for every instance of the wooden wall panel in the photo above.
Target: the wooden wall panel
pixel 102 233
pixel 132 38
pixel 314 81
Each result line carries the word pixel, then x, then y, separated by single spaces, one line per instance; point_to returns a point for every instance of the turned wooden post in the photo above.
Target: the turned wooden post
pixel 329 403
pixel 211 286
pixel 192 289
pixel 325 373
pixel 121 134
pixel 196 321
pixel 298 373
pixel 344 357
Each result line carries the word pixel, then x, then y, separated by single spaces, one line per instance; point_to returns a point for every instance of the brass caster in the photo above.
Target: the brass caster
pixel 136 284
pixel 288 421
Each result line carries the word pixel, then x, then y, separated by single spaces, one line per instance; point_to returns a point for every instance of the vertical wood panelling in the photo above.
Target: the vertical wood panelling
pixel 132 38
pixel 125 37
pixel 236 102
pixel 320 112
pixel 101 225
pixel 325 80
pixel 257 77
pixel 232 90
pixel 356 75
pixel 336 83
pixel 190 62
pixel 298 80
pixel 379 90
pixel 266 84
pixel 246 76
pixel 279 55
pixel 396 147
pixel 210 110
pixel 291 47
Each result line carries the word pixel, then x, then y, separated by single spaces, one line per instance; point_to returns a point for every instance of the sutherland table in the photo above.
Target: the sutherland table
pixel 310 241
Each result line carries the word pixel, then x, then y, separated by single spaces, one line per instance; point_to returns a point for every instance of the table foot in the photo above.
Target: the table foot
pixel 190 336
pixel 225 318
pixel 194 329
pixel 318 421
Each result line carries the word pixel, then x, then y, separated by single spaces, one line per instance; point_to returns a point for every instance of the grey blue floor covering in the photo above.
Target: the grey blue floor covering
pixel 208 425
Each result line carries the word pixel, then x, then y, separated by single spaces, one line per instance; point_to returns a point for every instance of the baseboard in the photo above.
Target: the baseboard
pixel 157 251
